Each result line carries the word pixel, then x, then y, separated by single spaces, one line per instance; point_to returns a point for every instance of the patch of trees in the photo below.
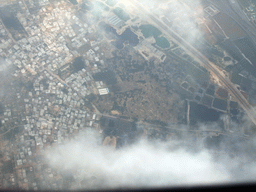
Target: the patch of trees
pixel 78 64
pixel 109 77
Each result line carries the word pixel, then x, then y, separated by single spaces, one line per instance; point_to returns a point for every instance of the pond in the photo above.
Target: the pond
pixel 150 30
pixel 121 14
pixel 111 3
pixel 126 36
pixel 201 113
pixel 162 42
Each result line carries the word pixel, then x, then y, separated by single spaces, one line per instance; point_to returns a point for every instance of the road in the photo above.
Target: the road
pixel 201 59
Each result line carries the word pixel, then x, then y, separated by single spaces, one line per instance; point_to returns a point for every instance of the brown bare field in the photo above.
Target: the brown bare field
pixel 229 26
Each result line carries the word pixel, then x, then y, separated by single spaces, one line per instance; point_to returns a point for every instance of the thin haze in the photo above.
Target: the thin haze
pixel 176 11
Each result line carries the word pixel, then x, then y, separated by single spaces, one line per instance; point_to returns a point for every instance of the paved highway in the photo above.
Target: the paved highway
pixel 201 59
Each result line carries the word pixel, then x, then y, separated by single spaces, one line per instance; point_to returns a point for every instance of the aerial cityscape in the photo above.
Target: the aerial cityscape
pixel 109 93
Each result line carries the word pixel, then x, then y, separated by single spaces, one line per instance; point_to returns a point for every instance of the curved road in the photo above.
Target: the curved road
pixel 201 59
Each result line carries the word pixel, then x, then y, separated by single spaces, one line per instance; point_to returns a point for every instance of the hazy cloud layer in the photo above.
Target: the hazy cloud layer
pixel 144 164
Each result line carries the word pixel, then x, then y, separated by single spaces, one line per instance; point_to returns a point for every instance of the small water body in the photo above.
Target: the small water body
pixel 162 42
pixel 127 36
pixel 150 30
pixel 121 14
pixel 201 113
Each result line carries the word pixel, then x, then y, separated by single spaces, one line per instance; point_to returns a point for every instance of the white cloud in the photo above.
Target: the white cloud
pixel 143 164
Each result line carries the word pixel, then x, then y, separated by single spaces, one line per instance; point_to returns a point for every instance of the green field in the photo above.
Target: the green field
pixel 235 78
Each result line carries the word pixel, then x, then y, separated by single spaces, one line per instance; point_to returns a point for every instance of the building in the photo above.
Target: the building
pixel 103 91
